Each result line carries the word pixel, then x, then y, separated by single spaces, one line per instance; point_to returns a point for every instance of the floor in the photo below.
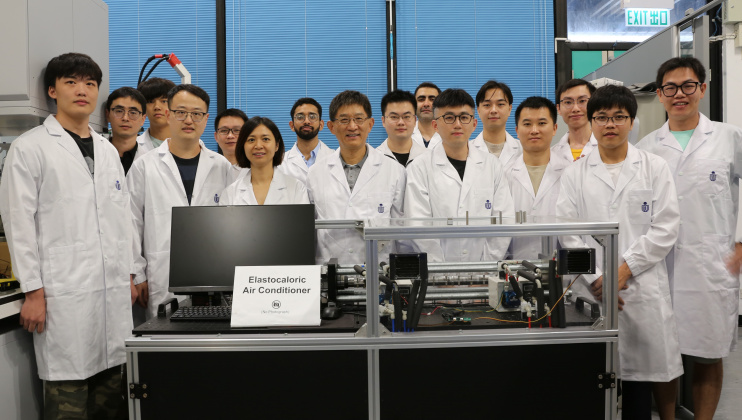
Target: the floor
pixel 730 405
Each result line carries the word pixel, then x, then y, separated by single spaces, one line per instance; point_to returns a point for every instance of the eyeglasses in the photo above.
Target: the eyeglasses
pixel 569 103
pixel 119 112
pixel 301 117
pixel 395 118
pixel 224 131
pixel 671 89
pixel 617 120
pixel 450 118
pixel 346 121
pixel 180 115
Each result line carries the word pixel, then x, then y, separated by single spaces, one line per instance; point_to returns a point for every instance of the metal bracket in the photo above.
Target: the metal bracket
pixel 606 380
pixel 600 240
pixel 599 324
pixel 138 391
pixel 363 331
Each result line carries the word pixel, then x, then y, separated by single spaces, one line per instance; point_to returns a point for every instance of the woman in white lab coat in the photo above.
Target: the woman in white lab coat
pixel 260 150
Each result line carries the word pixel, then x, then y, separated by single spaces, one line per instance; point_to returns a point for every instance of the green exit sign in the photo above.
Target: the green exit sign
pixel 647 17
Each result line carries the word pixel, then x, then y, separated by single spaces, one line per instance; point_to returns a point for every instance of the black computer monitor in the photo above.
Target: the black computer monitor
pixel 208 242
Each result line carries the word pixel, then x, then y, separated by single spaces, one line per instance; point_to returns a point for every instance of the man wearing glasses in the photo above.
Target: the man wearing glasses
pixel 398 119
pixel 705 158
pixel 456 180
pixel 572 97
pixel 355 182
pixel 306 122
pixel 227 125
pixel 620 183
pixel 494 104
pixel 125 112
pixel 181 172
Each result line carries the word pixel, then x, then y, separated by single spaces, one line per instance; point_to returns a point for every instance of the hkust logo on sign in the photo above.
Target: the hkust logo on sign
pixel 648 17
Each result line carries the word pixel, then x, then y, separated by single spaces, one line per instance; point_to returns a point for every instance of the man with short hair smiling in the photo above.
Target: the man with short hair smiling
pixel 64 206
pixel 494 103
pixel 355 182
pixel 534 175
pixel 155 92
pixel 424 133
pixel 181 172
pixel 306 122
pixel 125 112
pixel 398 119
pixel 623 184
pixel 572 97
pixel 455 180
pixel 227 125
pixel 705 158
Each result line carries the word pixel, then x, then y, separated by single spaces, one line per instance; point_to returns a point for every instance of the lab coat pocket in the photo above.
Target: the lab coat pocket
pixel 482 202
pixel 68 265
pixel 640 206
pixel 381 204
pixel 716 248
pixel 712 176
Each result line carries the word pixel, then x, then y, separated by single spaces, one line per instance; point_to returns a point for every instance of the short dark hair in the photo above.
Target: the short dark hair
pixel 349 97
pixel 126 92
pixel 536 102
pixel 569 84
pixel 427 85
pixel 306 101
pixel 192 89
pixel 397 96
pixel 71 65
pixel 155 87
pixel 230 112
pixel 453 98
pixel 247 129
pixel 612 96
pixel 494 84
pixel 679 63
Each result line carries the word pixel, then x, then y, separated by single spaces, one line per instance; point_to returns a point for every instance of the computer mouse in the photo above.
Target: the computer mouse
pixel 331 311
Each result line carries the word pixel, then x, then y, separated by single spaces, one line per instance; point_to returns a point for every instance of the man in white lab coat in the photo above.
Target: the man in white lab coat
pixel 706 162
pixel 424 133
pixel 578 142
pixel 454 179
pixel 398 119
pixel 534 175
pixel 494 104
pixel 155 91
pixel 125 112
pixel 356 182
pixel 181 172
pixel 64 206
pixel 306 122
pixel 227 125
pixel 620 183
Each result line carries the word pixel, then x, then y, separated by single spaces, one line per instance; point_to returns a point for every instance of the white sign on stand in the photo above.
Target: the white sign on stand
pixel 268 296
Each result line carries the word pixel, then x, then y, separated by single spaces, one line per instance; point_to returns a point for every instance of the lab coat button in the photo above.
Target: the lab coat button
pixel 680 197
pixel 680 246
pixel 680 173
pixel 466 251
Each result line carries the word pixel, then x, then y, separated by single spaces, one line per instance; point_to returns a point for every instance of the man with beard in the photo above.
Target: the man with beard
pixel 306 122
pixel 424 134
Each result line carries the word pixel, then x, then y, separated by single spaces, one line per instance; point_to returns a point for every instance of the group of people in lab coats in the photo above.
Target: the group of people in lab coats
pixel 80 222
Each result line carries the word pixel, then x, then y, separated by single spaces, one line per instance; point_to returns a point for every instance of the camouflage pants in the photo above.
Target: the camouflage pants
pixel 99 397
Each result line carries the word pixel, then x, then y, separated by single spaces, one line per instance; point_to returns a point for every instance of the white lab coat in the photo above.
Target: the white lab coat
pixel 144 145
pixel 70 233
pixel 294 164
pixel 541 204
pixel 377 194
pixel 705 296
pixel 510 151
pixel 561 150
pixel 156 187
pixel 284 189
pixel 644 203
pixel 418 138
pixel 435 189
pixel 415 151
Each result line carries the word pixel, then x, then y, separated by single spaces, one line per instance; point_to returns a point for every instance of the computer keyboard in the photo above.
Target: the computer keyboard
pixel 202 313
